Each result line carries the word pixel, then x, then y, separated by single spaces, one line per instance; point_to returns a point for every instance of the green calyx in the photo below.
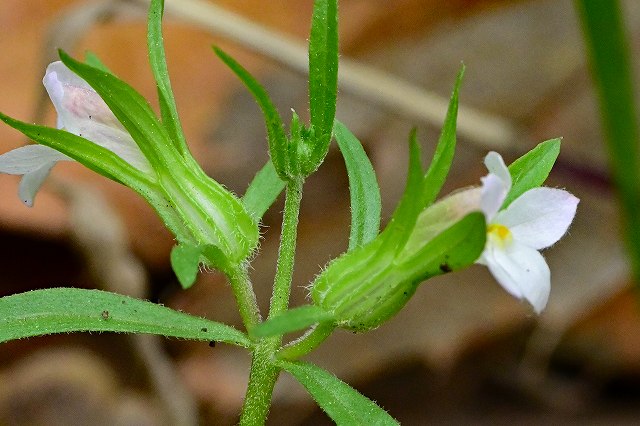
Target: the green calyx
pixel 212 215
pixel 202 211
pixel 369 284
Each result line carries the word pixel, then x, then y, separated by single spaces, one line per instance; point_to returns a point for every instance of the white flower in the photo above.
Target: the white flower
pixel 34 162
pixel 82 112
pixel 533 221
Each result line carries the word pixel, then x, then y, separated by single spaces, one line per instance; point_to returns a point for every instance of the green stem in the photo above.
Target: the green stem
pixel 245 297
pixel 262 379
pixel 264 373
pixel 306 343
pixel 287 250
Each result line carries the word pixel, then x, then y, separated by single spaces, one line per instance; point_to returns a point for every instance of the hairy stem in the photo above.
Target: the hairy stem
pixel 262 379
pixel 286 253
pixel 306 343
pixel 245 297
pixel 264 373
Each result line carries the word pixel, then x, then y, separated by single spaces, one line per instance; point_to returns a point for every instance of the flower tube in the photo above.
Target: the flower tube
pixel 111 129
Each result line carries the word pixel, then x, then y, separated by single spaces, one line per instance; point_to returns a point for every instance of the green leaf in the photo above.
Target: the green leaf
pixel 363 187
pixel 455 248
pixel 130 108
pixel 406 213
pixel 275 129
pixel 292 320
pixel 345 405
pixel 158 63
pixel 92 59
pixel 185 261
pixel 93 156
pixel 263 191
pixel 443 156
pixel 531 170
pixel 64 310
pixel 297 149
pixel 607 41
pixel 323 77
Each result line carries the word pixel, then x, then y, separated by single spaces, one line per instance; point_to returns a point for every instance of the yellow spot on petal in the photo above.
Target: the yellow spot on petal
pixel 499 234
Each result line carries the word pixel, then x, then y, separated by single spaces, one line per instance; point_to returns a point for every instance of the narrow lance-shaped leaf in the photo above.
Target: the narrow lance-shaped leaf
pixel 275 128
pixel 409 207
pixel 608 45
pixel 532 169
pixel 323 77
pixel 292 320
pixel 158 63
pixel 297 149
pixel 93 156
pixel 63 310
pixel 443 156
pixel 363 188
pixel 90 58
pixel 345 405
pixel 263 191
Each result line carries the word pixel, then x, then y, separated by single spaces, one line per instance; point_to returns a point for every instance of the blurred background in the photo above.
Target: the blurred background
pixel 462 351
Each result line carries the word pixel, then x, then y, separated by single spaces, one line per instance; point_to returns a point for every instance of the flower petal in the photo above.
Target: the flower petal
pixel 495 164
pixel 495 186
pixel 493 194
pixel 74 99
pixel 520 270
pixel 82 112
pixel 29 158
pixel 540 216
pixel 31 182
pixel 35 163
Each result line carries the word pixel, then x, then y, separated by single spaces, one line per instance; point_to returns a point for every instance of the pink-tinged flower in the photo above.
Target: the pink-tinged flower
pixel 535 220
pixel 82 112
